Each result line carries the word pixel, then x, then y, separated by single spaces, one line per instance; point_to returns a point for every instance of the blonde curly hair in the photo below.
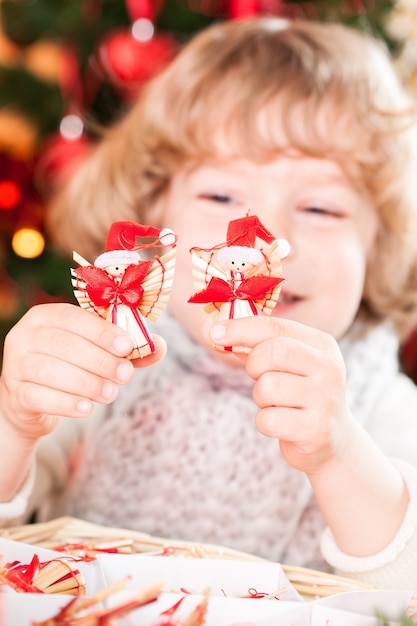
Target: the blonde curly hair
pixel 338 82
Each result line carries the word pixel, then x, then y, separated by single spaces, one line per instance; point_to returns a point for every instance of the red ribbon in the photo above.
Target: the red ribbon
pixel 253 288
pixel 21 576
pixel 104 290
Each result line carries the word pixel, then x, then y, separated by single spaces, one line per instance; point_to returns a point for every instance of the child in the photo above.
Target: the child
pixel 306 126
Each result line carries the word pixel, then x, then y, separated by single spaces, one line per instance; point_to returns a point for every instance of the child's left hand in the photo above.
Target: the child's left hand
pixel 300 379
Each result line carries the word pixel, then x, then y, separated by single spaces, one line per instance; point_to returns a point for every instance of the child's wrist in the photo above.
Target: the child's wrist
pixel 23 431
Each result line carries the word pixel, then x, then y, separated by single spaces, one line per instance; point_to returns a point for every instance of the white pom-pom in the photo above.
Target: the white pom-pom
pixel 283 248
pixel 167 237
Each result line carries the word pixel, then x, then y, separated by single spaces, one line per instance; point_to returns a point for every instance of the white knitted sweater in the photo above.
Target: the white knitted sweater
pixel 178 454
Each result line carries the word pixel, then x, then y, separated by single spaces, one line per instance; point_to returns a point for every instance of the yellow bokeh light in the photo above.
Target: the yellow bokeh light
pixel 28 243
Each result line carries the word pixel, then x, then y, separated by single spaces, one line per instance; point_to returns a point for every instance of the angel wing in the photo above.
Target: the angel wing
pixel 205 267
pixel 80 293
pixel 271 266
pixel 158 285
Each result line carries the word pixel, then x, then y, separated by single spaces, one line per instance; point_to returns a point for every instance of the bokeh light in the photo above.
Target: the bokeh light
pixel 9 194
pixel 28 243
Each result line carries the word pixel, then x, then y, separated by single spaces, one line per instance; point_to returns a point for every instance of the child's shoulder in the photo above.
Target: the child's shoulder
pixel 393 423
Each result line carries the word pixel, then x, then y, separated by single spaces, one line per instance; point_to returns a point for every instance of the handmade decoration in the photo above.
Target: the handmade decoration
pixel 237 278
pixel 84 611
pixel 124 288
pixel 53 576
pixel 89 551
pixel 144 588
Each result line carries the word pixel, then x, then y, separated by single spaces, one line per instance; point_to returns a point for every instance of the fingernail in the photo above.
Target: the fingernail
pixel 84 407
pixel 124 372
pixel 122 345
pixel 218 331
pixel 108 390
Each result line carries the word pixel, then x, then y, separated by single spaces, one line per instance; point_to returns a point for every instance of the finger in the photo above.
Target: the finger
pixel 83 323
pixel 284 354
pixel 55 403
pixel 158 355
pixel 281 390
pixel 49 373
pixel 249 331
pixel 279 422
pixel 71 348
pixel 316 399
pixel 293 425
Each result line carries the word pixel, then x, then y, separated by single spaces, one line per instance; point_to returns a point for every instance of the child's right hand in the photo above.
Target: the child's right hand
pixel 58 360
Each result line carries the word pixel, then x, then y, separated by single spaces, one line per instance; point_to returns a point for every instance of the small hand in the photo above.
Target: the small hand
pixel 58 360
pixel 299 386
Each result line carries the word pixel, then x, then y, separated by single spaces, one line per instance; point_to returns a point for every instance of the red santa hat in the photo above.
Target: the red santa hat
pixel 241 237
pixel 122 248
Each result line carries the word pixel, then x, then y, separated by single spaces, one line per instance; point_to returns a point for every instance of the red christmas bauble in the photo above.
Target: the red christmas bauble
pixel 10 194
pixel 60 157
pixel 128 62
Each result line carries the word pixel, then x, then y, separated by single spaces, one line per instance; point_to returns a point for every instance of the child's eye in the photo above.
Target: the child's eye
pixel 325 211
pixel 216 197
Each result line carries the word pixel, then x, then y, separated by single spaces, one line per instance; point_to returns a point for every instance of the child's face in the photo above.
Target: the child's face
pixel 330 226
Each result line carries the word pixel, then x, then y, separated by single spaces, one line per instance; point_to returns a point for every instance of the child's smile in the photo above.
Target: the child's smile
pixel 286 303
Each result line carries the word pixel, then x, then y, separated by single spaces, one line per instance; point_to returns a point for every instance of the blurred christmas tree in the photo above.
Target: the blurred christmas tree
pixel 69 66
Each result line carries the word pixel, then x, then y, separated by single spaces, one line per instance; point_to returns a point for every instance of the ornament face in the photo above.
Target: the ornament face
pixel 237 265
pixel 115 270
pixel 124 289
pixel 238 279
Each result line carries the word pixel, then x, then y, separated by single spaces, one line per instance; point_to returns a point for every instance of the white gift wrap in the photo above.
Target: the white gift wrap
pixel 229 583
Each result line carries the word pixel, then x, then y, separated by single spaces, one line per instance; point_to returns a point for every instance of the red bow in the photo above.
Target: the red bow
pixel 104 290
pixel 253 288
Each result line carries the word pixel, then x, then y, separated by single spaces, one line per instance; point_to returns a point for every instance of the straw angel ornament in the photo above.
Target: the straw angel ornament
pixel 124 288
pixel 238 279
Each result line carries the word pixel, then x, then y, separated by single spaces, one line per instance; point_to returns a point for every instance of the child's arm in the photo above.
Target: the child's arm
pixel 58 360
pixel 300 389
